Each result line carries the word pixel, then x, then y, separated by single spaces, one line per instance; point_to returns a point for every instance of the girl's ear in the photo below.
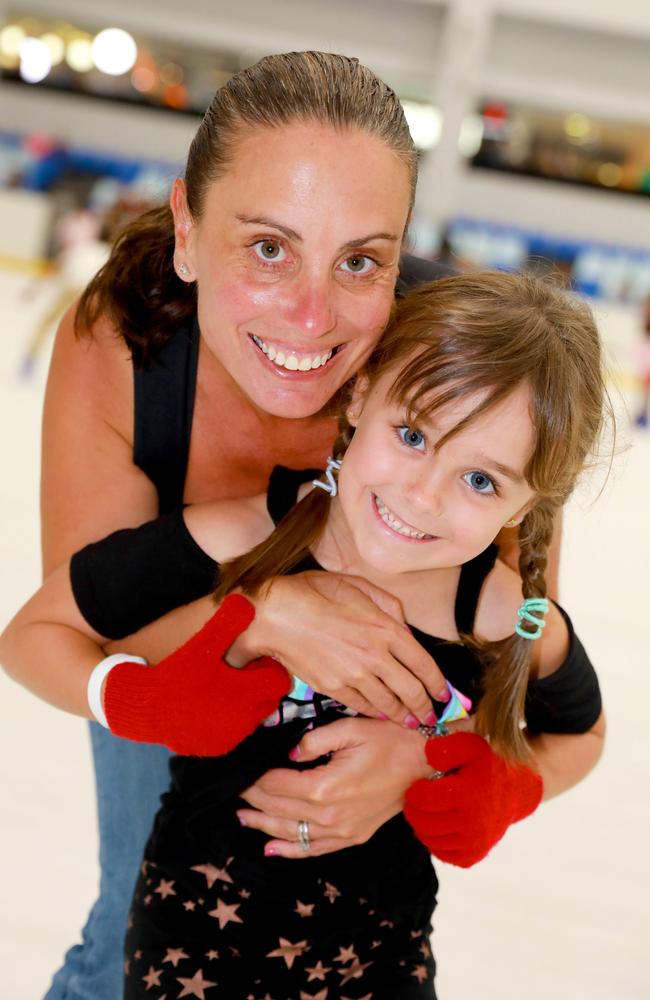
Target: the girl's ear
pixel 183 232
pixel 517 518
pixel 355 406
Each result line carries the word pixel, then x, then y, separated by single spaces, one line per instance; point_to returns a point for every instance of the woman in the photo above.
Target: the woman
pixel 244 307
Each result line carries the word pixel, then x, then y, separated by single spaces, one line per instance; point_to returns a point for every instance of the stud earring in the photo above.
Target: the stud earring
pixel 184 270
pixel 511 524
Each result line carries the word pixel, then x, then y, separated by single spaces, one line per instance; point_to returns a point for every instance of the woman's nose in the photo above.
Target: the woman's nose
pixel 312 310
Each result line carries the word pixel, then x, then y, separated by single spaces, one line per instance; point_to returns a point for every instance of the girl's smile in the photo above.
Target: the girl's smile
pixel 397 525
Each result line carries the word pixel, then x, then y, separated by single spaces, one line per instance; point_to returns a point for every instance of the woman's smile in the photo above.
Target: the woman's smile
pixel 283 358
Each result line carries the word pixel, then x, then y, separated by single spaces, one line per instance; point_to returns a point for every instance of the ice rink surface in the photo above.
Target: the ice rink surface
pixel 559 909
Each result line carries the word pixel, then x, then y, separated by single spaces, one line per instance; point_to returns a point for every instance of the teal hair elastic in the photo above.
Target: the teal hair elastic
pixel 526 614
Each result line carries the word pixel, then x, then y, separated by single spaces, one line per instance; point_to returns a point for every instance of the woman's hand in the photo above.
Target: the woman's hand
pixel 344 801
pixel 345 638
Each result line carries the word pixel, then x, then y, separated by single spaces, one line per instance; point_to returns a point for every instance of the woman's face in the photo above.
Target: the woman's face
pixel 296 257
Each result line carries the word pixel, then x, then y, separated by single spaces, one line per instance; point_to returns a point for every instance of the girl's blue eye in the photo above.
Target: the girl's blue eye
pixel 480 482
pixel 358 263
pixel 411 437
pixel 269 250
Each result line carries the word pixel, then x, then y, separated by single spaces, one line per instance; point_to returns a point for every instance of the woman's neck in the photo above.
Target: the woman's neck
pixel 234 445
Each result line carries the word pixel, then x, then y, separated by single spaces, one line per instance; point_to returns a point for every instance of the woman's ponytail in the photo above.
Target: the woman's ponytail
pixel 138 290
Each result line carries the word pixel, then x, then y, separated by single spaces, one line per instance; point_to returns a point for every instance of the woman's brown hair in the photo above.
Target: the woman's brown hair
pixel 138 289
pixel 486 334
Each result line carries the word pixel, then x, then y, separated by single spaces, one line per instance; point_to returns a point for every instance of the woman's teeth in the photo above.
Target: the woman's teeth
pixel 290 361
pixel 394 523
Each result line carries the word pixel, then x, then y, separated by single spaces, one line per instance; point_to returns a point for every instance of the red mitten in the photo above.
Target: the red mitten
pixel 462 815
pixel 192 701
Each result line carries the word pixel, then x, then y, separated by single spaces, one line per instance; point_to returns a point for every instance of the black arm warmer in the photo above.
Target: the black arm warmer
pixel 137 575
pixel 568 700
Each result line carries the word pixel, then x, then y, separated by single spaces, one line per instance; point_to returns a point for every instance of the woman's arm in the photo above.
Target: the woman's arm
pixel 183 702
pixel 564 759
pixel 347 804
pixel 372 766
pixel 341 635
pixel 89 484
pixel 50 649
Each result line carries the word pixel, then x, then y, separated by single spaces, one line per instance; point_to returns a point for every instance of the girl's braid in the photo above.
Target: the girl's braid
pixel 535 536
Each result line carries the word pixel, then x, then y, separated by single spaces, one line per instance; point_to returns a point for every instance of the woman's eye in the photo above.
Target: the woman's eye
pixel 269 250
pixel 358 263
pixel 411 437
pixel 480 482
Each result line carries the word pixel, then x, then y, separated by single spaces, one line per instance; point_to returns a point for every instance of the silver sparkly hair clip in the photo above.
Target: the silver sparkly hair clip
pixel 333 465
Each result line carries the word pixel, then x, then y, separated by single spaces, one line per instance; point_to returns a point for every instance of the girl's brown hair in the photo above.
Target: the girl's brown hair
pixel 481 333
pixel 138 289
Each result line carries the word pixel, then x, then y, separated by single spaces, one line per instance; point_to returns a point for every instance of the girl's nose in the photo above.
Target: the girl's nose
pixel 424 493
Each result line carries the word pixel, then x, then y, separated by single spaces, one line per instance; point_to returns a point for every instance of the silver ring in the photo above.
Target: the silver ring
pixel 436 775
pixel 303 834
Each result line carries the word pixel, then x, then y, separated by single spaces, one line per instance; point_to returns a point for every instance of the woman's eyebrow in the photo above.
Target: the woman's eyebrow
pixel 392 237
pixel 265 220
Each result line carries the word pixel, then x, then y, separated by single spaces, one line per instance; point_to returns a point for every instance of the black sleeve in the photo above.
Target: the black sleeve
pixel 415 271
pixel 568 700
pixel 137 575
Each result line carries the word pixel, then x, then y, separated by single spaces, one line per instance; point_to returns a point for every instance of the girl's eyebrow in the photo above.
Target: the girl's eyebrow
pixel 265 220
pixel 505 470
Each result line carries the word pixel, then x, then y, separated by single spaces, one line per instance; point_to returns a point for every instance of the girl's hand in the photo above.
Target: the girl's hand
pixel 476 797
pixel 344 801
pixel 345 638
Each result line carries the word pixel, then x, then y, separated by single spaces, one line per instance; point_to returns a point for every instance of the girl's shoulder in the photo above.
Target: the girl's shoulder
pixel 225 529
pixel 496 616
pixel 500 597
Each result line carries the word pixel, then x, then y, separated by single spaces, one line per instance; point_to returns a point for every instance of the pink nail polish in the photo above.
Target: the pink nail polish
pixel 242 820
pixel 430 719
pixel 381 715
pixel 295 753
pixel 411 722
pixel 270 852
pixel 443 695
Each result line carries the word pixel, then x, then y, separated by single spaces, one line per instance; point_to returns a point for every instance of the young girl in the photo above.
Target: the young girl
pixel 478 409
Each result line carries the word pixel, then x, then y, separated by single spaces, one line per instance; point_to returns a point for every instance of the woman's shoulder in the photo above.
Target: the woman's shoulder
pixel 95 364
pixel 225 529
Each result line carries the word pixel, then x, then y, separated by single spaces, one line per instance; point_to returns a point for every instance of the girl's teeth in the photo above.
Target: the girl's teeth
pixel 390 519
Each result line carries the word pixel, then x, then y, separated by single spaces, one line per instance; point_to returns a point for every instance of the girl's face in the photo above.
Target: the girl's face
pixel 404 505
pixel 296 257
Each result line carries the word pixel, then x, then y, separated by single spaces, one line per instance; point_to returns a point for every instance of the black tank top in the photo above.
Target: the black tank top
pixel 164 394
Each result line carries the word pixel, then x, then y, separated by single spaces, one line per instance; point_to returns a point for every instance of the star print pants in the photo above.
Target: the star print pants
pixel 207 928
